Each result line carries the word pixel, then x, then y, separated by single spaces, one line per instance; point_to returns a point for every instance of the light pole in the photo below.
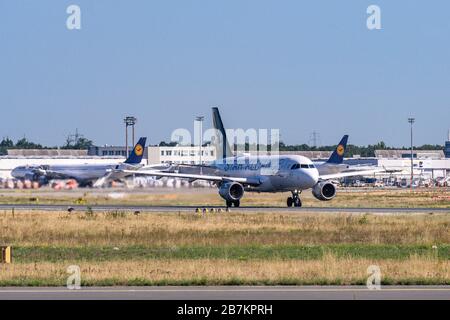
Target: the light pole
pixel 129 121
pixel 200 120
pixel 411 121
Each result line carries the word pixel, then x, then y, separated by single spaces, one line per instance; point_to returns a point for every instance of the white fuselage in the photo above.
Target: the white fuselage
pixel 274 173
pixel 79 172
pixel 325 168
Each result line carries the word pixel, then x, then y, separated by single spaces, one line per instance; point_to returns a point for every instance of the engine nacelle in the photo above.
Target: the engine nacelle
pixel 324 191
pixel 231 191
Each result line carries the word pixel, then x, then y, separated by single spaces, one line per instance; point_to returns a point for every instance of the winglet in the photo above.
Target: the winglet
pixel 136 155
pixel 338 154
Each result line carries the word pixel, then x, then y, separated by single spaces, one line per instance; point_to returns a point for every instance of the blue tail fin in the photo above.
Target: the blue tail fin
pixel 223 141
pixel 136 155
pixel 338 154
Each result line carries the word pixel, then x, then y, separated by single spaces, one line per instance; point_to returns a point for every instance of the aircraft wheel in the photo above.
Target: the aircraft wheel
pixel 229 203
pixel 237 203
pixel 297 202
pixel 290 202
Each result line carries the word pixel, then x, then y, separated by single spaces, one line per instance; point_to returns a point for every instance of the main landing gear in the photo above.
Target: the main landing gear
pixel 233 203
pixel 294 200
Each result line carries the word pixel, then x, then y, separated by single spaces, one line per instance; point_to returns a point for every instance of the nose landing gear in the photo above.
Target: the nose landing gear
pixel 294 200
pixel 231 203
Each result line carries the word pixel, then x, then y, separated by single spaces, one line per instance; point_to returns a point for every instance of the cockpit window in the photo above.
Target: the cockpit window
pixel 304 166
pixel 295 166
pixel 311 166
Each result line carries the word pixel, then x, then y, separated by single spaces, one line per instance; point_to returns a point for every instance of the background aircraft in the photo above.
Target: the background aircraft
pixel 335 163
pixel 84 174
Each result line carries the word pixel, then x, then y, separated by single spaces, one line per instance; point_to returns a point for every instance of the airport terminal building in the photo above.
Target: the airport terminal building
pixel 162 154
pixel 180 154
pixel 426 163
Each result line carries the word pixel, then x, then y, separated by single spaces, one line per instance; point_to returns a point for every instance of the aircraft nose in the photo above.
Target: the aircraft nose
pixel 313 177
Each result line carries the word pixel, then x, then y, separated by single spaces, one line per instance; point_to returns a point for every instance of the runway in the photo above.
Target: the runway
pixel 180 208
pixel 229 293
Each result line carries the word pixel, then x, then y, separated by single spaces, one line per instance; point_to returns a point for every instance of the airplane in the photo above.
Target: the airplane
pixel 234 175
pixel 335 163
pixel 84 174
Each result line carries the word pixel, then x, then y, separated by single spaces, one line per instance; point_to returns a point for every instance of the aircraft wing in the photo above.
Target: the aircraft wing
pixel 350 174
pixel 118 173
pixel 192 177
pixel 103 180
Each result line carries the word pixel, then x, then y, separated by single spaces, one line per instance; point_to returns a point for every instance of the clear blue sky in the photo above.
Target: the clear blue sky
pixel 295 65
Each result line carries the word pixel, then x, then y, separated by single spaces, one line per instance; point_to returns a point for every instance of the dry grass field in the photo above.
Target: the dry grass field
pixel 117 228
pixel 119 248
pixel 327 270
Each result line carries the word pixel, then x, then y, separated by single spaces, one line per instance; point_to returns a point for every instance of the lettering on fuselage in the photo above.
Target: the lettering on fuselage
pixel 246 164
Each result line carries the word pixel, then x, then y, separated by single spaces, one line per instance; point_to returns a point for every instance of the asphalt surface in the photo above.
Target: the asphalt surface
pixel 229 293
pixel 150 208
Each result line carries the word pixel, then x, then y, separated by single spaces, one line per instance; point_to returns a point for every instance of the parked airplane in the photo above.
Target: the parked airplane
pixel 233 175
pixel 335 163
pixel 84 174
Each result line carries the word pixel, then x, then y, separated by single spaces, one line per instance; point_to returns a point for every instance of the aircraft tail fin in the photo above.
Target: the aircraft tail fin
pixel 136 155
pixel 225 148
pixel 338 154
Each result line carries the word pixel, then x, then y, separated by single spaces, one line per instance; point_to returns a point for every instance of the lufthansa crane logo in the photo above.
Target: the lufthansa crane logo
pixel 138 150
pixel 340 150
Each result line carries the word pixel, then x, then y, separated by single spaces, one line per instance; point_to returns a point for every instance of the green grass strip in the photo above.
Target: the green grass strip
pixel 280 252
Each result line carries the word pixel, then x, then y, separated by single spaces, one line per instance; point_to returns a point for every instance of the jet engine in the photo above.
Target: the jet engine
pixel 324 191
pixel 231 191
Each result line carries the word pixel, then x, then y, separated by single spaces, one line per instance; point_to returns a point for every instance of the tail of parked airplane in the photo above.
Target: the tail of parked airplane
pixel 136 155
pixel 338 154
pixel 222 141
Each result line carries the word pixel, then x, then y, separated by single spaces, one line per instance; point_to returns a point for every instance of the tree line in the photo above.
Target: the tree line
pixel 79 142
pixel 363 151
pixel 72 142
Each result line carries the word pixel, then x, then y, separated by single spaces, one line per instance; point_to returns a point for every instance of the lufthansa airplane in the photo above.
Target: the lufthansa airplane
pixel 234 175
pixel 84 174
pixel 335 163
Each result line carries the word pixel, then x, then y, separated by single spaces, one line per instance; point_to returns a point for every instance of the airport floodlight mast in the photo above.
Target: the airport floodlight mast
pixel 200 120
pixel 129 122
pixel 411 121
